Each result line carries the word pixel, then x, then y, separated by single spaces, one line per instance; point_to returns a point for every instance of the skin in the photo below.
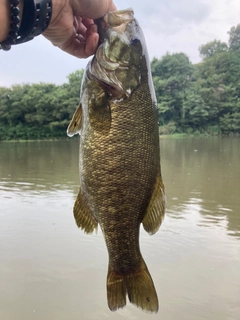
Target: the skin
pixel 5 18
pixel 71 28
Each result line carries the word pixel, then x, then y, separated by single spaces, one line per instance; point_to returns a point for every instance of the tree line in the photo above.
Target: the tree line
pixel 192 98
pixel 203 97
pixel 38 111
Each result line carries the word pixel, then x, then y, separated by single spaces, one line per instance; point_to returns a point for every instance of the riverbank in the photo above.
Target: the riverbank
pixel 162 136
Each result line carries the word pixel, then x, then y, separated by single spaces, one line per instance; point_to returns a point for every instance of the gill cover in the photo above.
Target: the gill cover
pixel 116 64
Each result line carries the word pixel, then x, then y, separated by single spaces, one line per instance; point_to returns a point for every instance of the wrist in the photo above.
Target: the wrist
pixel 58 8
pixel 5 17
pixel 27 20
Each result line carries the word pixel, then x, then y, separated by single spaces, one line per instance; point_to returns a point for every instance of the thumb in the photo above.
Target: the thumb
pixel 92 9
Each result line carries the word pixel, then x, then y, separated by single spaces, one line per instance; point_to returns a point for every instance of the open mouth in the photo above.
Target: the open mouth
pixel 102 27
pixel 116 20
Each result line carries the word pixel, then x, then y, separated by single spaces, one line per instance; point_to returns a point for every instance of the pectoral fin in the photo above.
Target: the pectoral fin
pixel 83 215
pixel 156 208
pixel 76 122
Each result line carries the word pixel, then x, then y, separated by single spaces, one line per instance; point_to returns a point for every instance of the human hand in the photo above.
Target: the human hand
pixel 72 28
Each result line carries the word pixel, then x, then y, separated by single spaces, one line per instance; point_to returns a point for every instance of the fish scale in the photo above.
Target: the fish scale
pixel 120 176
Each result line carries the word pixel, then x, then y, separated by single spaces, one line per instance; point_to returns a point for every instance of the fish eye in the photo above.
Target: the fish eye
pixel 135 41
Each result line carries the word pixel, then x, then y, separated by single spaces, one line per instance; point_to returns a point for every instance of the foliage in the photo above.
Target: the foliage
pixel 171 77
pixel 200 98
pixel 234 38
pixel 39 110
pixel 204 97
pixel 211 48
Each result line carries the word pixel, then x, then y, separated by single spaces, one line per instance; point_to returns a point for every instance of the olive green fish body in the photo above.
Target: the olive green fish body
pixel 120 177
pixel 119 170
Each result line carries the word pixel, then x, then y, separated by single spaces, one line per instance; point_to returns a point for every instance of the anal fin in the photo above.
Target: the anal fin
pixel 156 208
pixel 83 215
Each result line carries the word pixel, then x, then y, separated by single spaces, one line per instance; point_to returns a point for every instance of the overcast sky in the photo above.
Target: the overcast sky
pixel 169 26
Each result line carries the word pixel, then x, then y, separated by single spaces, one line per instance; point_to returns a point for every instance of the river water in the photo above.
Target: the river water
pixel 49 269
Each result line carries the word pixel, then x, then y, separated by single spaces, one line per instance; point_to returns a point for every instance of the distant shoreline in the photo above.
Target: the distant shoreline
pixel 163 136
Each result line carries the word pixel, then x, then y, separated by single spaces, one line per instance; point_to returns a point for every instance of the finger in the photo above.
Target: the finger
pixel 85 26
pixel 80 46
pixel 81 38
pixel 111 6
pixel 87 22
pixel 91 44
pixel 79 25
pixel 92 28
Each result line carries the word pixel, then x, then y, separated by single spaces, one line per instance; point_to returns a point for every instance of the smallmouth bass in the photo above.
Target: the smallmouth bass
pixel 119 160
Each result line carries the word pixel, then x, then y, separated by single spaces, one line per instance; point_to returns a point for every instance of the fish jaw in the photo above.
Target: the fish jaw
pixel 117 20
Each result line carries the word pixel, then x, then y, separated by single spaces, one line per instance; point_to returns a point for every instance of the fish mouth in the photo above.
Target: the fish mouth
pixel 116 20
pixel 103 67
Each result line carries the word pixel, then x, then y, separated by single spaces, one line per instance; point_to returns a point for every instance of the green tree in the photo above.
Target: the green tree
pixel 172 78
pixel 39 110
pixel 196 110
pixel 234 37
pixel 204 97
pixel 211 48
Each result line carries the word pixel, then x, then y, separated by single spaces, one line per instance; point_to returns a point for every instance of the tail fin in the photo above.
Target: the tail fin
pixel 138 285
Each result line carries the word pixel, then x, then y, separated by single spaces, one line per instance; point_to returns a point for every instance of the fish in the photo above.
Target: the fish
pixel 121 183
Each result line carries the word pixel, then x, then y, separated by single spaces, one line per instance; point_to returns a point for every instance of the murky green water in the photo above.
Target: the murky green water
pixel 49 269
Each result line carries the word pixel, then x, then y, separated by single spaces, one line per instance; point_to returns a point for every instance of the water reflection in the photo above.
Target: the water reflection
pixel 204 172
pixel 51 270
pixel 200 175
pixel 39 162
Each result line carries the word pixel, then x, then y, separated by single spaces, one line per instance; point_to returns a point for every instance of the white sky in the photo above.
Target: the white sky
pixel 169 26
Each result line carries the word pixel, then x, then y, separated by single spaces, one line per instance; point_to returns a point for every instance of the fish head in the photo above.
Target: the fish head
pixel 119 61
